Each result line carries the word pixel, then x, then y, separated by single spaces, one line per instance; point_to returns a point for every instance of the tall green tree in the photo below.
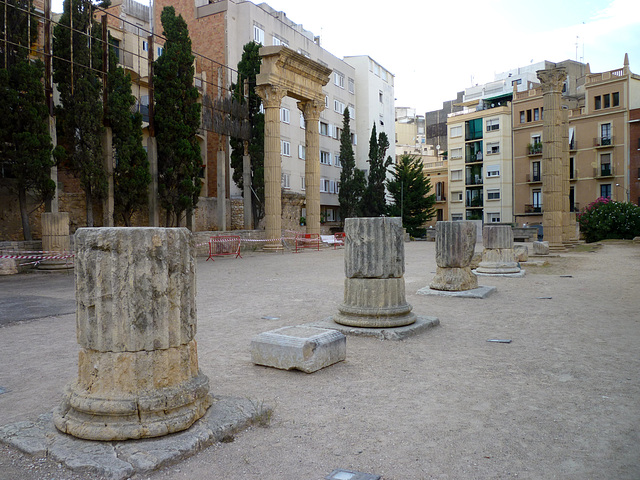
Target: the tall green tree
pixel 374 201
pixel 25 143
pixel 77 62
pixel 352 179
pixel 248 68
pixel 131 175
pixel 410 190
pixel 177 119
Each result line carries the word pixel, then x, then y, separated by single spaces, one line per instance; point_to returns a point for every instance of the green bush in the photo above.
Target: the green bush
pixel 605 218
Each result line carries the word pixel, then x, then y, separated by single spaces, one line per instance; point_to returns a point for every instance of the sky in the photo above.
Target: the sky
pixel 437 48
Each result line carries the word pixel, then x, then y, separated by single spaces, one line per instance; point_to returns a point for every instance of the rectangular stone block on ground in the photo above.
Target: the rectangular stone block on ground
pixel 299 348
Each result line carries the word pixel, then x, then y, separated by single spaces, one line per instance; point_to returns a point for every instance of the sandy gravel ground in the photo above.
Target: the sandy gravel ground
pixel 561 401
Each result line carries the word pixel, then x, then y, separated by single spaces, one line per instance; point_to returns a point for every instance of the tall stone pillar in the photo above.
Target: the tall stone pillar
pixel 552 152
pixel 221 202
pixel 374 293
pixel 271 98
pixel 55 238
pixel 138 372
pixel 248 193
pixel 53 204
pixel 312 110
pixel 107 161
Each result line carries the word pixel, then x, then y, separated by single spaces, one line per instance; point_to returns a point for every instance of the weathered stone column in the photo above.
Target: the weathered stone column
pixel 55 238
pixel 271 98
pixel 498 256
pixel 374 294
pixel 455 244
pixel 221 200
pixel 152 156
pixel 552 152
pixel 311 110
pixel 107 162
pixel 138 372
pixel 248 194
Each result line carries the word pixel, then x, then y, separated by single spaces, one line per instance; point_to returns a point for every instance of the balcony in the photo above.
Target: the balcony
pixel 441 198
pixel 474 202
pixel 605 170
pixel 574 208
pixel 534 149
pixel 474 180
pixel 534 178
pixel 529 208
pixel 603 142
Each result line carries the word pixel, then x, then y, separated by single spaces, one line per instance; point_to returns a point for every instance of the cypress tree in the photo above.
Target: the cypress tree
pixel 410 190
pixel 374 201
pixel 352 180
pixel 79 118
pixel 25 143
pixel 248 68
pixel 177 119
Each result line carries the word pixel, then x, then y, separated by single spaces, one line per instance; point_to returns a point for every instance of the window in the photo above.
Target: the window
pixel 456 152
pixel 516 82
pixel 493 124
pixel 605 164
pixel 325 158
pixel 332 186
pixel 337 132
pixel 285 115
pixel 352 112
pixel 159 51
pixel 493 171
pixel 258 35
pixel 529 115
pixel 456 197
pixel 597 102
pixel 326 101
pixel 440 192
pixel 352 86
pixel 286 183
pixel 493 217
pixel 536 114
pixel 380 96
pixel 536 199
pixel 336 160
pixel 606 100
pixel 354 139
pixel 324 185
pixel 456 175
pixel 456 131
pixel 473 129
pixel 605 134
pixel 302 182
pixel 493 148
pixel 279 41
pixel 522 116
pixel 535 171
pixel 285 148
pixel 302 152
pixel 302 124
pixel 615 97
pixel 145 46
pixel 456 217
pixel 338 106
pixel 572 168
pixel 324 128
pixel 493 194
pixel 329 215
pixel 338 79
pixel 605 190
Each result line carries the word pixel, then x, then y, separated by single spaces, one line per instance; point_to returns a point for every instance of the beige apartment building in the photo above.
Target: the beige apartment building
pixel 599 136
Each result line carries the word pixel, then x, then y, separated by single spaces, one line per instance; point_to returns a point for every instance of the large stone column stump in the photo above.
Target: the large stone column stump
pixel 455 245
pixel 55 239
pixel 138 372
pixel 374 290
pixel 498 256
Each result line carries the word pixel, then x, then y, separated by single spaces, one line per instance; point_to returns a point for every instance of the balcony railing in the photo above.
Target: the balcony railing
pixel 535 149
pixel 474 202
pixel 441 198
pixel 473 157
pixel 474 180
pixel 528 208
pixel 605 170
pixel 603 141
pixel 574 208
pixel 533 178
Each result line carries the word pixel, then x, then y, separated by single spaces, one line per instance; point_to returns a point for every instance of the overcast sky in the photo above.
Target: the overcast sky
pixel 436 48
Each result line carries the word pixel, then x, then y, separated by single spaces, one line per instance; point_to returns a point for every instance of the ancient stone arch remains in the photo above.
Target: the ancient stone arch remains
pixel 284 72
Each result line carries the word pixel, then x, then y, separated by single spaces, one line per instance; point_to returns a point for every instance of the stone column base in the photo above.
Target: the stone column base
pixel 374 303
pixel 273 247
pixel 454 279
pixel 129 395
pixel 498 260
pixel 56 264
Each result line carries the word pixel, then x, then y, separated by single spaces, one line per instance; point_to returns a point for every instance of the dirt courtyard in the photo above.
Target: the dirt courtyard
pixel 561 401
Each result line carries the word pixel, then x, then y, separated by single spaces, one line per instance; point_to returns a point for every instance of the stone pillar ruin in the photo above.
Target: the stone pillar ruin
pixel 498 256
pixel 311 110
pixel 455 244
pixel 248 193
pixel 271 99
pixel 374 292
pixel 55 238
pixel 138 372
pixel 552 157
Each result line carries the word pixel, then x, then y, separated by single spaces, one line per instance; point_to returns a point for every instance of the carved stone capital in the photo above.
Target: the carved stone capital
pixel 311 109
pixel 552 79
pixel 271 95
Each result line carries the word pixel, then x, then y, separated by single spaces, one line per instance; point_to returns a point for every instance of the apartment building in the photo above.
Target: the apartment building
pixel 602 143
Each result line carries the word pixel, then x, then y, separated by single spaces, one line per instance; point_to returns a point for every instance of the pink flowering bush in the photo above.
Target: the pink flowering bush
pixel 605 218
